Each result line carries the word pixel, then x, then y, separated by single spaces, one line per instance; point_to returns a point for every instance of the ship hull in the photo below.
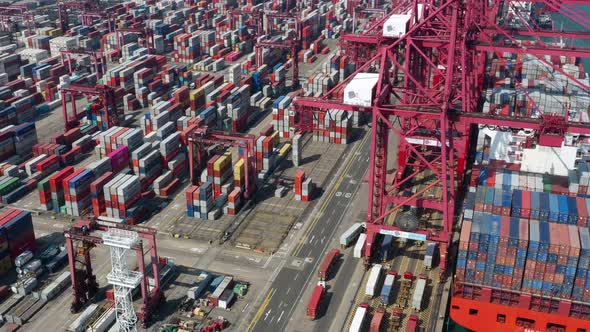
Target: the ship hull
pixel 482 317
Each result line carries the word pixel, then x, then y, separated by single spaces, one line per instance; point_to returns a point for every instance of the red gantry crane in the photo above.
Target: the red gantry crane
pixel 198 138
pixel 427 77
pixel 97 59
pixel 291 44
pixel 84 285
pixel 17 14
pixel 106 97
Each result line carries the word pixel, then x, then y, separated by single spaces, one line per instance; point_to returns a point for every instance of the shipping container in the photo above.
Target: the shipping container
pixel 387 288
pixel 360 318
pixel 359 246
pixel 418 296
pixel 373 281
pixel 314 302
pixel 377 321
pixel 327 264
pixel 350 234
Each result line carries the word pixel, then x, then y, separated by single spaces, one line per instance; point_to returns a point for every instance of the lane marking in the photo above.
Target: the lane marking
pixel 288 290
pixel 327 201
pixel 280 316
pixel 261 310
pixel 267 313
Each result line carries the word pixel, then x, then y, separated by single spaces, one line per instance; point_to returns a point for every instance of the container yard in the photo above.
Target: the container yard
pixel 278 165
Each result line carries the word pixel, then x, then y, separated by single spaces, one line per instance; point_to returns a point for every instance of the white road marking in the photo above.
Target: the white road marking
pixel 296 276
pixel 267 313
pixel 311 240
pixel 280 316
pixel 246 306
pixel 338 194
pixel 347 195
pixel 288 290
pixel 58 225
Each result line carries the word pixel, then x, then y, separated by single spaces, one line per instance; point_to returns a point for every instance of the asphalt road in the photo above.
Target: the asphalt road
pixel 289 285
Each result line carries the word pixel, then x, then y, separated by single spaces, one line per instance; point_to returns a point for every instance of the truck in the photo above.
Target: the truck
pixel 360 316
pixel 327 264
pixel 387 288
pixel 412 325
pixel 358 247
pixel 385 252
pixel 406 286
pixel 419 292
pixel 350 234
pixel 373 281
pixel 396 319
pixel 429 255
pixel 314 302
pixel 377 321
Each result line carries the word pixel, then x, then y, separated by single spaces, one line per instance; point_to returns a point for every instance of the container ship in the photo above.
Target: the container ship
pixel 523 259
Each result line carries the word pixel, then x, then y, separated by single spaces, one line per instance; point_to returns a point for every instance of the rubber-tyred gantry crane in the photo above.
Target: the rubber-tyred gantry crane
pixel 17 14
pixel 106 97
pixel 84 285
pixel 97 59
pixel 427 92
pixel 79 6
pixel 198 138
pixel 291 44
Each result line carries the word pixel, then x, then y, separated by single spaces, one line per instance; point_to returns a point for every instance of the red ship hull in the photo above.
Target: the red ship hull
pixel 482 317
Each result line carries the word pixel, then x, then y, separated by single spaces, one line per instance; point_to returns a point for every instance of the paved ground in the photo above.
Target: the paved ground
pixel 290 283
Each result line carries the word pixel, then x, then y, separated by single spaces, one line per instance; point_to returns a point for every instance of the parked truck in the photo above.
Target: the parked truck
pixel 387 288
pixel 350 234
pixel 412 325
pixel 419 292
pixel 314 302
pixel 405 288
pixel 373 281
pixel 360 316
pixel 377 321
pixel 327 264
pixel 429 255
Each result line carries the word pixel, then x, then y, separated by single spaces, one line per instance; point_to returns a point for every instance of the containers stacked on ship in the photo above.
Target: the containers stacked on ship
pixel 16 236
pixel 523 244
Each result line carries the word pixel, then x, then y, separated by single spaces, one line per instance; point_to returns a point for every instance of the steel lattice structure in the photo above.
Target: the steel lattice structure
pixel 123 279
pixel 428 96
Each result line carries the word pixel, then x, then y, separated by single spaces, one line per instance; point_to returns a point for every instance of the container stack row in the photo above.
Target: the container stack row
pixel 16 236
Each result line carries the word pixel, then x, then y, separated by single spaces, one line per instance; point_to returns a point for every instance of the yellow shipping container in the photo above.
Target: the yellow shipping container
pixel 222 163
pixel 275 138
pixel 239 169
pixel 5 264
pixel 197 93
pixel 285 150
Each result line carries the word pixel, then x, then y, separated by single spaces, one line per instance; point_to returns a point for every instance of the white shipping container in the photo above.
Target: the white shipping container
pixel 351 233
pixel 359 319
pixel 373 281
pixel 418 294
pixel 360 244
